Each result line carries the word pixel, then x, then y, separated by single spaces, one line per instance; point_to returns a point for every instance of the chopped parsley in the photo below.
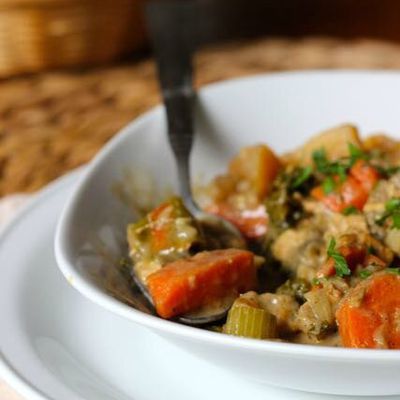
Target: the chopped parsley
pixel 395 271
pixel 329 168
pixel 339 167
pixel 302 176
pixel 356 154
pixel 392 204
pixel 364 273
pixel 328 185
pixel 350 210
pixel 396 220
pixel 341 266
pixel 392 210
pixel 320 160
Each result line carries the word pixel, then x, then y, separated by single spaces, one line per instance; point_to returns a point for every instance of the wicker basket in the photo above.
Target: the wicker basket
pixel 40 34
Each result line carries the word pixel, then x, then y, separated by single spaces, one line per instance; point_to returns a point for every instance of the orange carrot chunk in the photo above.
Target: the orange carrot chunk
pixel 333 201
pixel 369 315
pixel 353 191
pixel 365 174
pixel 186 285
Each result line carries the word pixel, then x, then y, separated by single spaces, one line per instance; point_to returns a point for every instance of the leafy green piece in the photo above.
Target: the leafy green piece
pixel 396 220
pixel 350 210
pixel 341 267
pixel 392 210
pixel 328 185
pixel 320 160
pixel 303 175
pixel 364 273
pixel 392 205
pixel 341 171
pixel 339 167
pixel 335 168
pixel 356 154
pixel 395 271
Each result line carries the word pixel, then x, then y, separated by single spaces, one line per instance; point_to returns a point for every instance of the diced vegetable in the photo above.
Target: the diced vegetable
pixel 247 318
pixel 186 285
pixel 252 223
pixel 365 174
pixel 284 307
pixel 335 141
pixel 316 316
pixel 369 316
pixel 258 165
pixel 237 195
pixel 353 192
pixel 165 234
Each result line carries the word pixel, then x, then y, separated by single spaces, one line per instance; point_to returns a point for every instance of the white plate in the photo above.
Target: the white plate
pixel 57 345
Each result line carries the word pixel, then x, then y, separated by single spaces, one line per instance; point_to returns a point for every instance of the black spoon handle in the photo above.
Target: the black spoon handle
pixel 171 30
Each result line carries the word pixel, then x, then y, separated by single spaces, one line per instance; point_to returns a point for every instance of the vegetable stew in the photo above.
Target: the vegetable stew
pixel 322 229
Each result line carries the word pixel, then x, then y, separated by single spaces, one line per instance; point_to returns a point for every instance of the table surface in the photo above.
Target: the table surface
pixel 53 122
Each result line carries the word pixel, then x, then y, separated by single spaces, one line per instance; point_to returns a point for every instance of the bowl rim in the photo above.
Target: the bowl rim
pixel 106 301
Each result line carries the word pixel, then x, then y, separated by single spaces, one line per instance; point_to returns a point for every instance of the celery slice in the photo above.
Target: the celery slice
pixel 248 319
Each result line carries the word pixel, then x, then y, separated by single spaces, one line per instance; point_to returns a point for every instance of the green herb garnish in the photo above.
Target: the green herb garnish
pixel 356 154
pixel 328 185
pixel 339 167
pixel 350 210
pixel 392 210
pixel 329 169
pixel 303 175
pixel 392 205
pixel 341 266
pixel 396 220
pixel 395 271
pixel 320 160
pixel 364 274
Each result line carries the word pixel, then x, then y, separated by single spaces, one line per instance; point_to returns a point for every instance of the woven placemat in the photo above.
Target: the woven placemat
pixel 53 122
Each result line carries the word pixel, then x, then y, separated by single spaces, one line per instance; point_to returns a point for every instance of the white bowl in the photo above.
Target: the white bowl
pixel 282 110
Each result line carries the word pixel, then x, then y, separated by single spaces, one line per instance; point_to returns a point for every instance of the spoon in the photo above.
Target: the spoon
pixel 170 25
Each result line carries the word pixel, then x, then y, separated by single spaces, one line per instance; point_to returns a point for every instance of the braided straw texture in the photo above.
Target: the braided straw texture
pixel 40 34
pixel 53 122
